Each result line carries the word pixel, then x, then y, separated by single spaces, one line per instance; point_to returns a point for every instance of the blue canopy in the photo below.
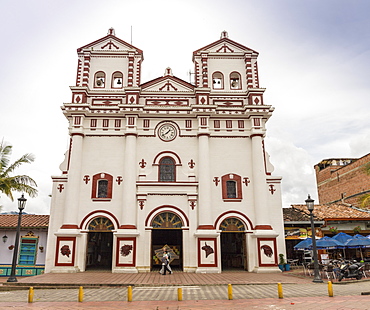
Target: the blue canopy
pixel 327 243
pixel 304 244
pixel 342 237
pixel 358 241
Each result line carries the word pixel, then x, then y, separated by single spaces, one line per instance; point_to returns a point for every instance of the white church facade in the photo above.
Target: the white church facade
pixel 166 163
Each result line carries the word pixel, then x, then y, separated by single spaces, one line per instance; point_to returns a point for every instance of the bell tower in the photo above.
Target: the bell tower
pixel 108 64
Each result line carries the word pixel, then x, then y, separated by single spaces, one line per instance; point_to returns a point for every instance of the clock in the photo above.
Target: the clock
pixel 167 132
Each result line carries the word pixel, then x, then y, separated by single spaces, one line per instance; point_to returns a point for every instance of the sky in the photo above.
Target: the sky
pixel 314 61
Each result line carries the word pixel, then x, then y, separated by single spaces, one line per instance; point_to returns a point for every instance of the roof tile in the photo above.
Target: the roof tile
pixel 28 220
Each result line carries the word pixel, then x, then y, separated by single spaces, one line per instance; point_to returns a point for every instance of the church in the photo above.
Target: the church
pixel 166 164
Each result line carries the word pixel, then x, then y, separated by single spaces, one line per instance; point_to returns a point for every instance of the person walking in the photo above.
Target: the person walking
pixel 166 263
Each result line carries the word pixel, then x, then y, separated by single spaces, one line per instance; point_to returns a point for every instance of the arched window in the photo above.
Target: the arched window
pixel 117 80
pixel 167 220
pixel 217 80
pixel 167 170
pixel 99 80
pixel 232 224
pixel 231 187
pixel 102 186
pixel 100 224
pixel 235 81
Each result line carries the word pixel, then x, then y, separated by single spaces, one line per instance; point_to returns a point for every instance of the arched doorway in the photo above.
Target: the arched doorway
pixel 233 244
pixel 99 244
pixel 167 230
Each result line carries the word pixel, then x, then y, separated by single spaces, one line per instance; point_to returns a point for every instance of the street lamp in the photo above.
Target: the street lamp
pixel 310 206
pixel 21 205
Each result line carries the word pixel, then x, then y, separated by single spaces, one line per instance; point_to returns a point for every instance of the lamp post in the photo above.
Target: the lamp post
pixel 21 205
pixel 310 206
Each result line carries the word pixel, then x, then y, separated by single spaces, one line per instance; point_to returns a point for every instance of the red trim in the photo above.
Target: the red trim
pixel 256 135
pixel 236 178
pixel 264 157
pixel 69 226
pixel 206 227
pixel 243 217
pixel 83 224
pixel 223 40
pixel 263 227
pixel 131 134
pixel 133 252
pixel 200 249
pixel 259 242
pixel 59 240
pixel 77 134
pixel 127 227
pixel 160 155
pixel 97 177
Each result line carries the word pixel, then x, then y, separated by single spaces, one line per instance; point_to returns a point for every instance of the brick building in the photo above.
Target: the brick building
pixel 342 179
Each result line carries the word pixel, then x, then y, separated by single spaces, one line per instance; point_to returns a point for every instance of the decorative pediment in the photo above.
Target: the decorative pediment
pixel 109 43
pixel 167 84
pixel 225 45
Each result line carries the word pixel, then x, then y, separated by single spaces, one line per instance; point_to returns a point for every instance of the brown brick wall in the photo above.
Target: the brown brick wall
pixel 349 180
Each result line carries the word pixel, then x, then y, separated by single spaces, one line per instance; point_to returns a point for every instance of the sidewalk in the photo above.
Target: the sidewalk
pixel 98 278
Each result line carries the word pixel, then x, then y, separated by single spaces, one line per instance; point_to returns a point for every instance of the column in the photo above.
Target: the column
pixel 204 187
pixel 129 207
pixel 74 181
pixel 259 184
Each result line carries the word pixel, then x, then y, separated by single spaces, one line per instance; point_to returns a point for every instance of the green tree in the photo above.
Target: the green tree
pixel 18 183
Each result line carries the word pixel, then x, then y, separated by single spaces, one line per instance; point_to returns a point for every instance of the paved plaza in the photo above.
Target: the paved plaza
pixel 105 290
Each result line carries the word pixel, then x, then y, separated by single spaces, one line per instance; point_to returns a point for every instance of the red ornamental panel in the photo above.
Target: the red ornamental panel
pixel 267 256
pixel 65 251
pixel 207 252
pixel 126 252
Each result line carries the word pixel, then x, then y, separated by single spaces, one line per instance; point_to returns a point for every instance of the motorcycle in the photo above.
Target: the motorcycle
pixel 351 270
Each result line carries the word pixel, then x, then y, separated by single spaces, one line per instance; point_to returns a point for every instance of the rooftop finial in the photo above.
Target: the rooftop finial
pixel 224 34
pixel 111 31
pixel 168 71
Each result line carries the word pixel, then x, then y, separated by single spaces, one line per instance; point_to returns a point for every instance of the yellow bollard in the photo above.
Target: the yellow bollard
pixel 330 289
pixel 230 291
pixel 129 293
pixel 179 294
pixel 30 294
pixel 81 294
pixel 280 291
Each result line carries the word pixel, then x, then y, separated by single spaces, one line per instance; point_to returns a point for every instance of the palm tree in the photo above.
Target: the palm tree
pixel 18 183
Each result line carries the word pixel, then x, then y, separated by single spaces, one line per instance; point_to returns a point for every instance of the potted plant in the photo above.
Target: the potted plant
pixel 333 230
pixel 357 229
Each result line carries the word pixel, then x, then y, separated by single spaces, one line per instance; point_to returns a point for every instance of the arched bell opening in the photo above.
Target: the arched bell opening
pixel 233 244
pixel 99 244
pixel 167 233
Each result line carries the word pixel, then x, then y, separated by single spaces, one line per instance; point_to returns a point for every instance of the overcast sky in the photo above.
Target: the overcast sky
pixel 314 62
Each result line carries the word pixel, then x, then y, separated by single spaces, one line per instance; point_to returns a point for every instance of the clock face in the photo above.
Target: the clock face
pixel 167 132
